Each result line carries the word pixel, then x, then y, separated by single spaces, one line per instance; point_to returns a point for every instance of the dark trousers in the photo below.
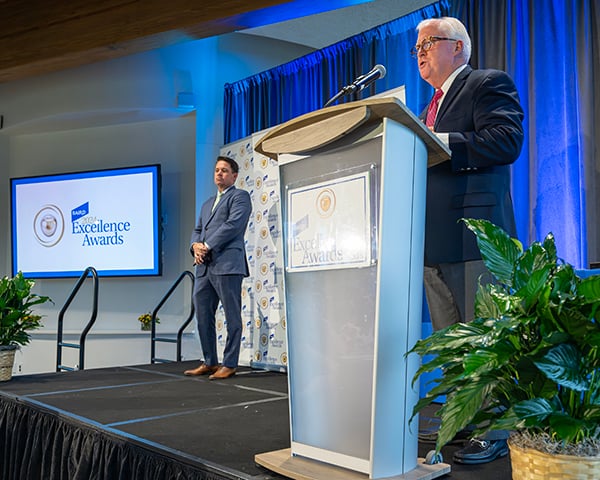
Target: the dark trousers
pixel 208 291
pixel 450 291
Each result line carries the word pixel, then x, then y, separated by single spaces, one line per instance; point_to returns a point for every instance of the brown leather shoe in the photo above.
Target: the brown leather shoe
pixel 222 373
pixel 203 369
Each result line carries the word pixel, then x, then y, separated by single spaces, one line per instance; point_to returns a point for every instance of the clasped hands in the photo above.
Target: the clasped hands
pixel 200 252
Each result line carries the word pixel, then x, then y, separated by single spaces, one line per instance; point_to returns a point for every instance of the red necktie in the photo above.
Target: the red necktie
pixel 433 107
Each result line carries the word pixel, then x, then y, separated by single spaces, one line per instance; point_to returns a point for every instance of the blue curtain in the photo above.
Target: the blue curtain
pixel 550 48
pixel 305 84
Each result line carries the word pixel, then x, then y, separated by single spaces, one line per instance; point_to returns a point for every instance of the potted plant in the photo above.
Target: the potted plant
pixel 17 318
pixel 146 321
pixel 529 363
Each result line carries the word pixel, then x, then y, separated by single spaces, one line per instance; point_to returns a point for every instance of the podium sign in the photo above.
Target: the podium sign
pixel 330 224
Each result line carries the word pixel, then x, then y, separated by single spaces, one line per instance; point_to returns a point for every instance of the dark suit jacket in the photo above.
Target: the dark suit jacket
pixel 223 230
pixel 483 117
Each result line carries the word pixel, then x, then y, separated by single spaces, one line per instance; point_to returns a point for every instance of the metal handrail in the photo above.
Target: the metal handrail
pixel 154 338
pixel 81 346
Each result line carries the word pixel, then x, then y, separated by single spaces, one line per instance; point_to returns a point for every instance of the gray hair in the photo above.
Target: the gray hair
pixel 453 28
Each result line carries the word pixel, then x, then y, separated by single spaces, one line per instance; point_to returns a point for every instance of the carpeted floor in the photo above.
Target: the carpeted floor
pixel 221 424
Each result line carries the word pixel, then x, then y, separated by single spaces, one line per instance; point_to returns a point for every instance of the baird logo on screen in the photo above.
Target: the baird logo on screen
pixel 97 232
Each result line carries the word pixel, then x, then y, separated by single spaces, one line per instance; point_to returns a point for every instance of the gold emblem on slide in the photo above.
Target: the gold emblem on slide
pixel 326 203
pixel 49 225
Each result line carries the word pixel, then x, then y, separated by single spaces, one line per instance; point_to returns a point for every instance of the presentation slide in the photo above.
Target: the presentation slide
pixel 106 219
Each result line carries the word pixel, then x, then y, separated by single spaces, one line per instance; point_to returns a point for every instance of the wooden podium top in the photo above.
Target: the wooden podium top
pixel 319 128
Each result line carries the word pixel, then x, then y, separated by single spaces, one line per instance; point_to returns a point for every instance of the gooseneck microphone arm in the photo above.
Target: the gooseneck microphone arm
pixel 360 83
pixel 339 94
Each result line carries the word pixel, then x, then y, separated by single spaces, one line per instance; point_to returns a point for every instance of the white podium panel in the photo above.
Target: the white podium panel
pixel 350 323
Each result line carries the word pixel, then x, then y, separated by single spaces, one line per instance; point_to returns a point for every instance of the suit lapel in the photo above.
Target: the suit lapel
pixel 455 88
pixel 212 211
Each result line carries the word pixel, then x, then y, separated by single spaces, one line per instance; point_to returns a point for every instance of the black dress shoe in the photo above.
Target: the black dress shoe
pixel 481 451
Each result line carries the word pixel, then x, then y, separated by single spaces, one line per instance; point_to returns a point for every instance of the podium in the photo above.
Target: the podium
pixel 353 180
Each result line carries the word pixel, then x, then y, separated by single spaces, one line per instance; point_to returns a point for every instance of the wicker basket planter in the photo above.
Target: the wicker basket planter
pixel 7 360
pixel 530 464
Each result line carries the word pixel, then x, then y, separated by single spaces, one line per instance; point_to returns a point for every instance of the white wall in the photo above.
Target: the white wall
pixel 119 113
pixel 4 206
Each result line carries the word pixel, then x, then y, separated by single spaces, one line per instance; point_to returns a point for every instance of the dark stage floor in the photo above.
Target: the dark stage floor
pixel 220 425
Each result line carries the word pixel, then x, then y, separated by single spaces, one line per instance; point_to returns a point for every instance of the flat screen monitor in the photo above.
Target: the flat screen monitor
pixel 105 219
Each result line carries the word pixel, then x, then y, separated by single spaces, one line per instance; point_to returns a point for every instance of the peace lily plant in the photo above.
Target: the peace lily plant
pixel 17 317
pixel 530 361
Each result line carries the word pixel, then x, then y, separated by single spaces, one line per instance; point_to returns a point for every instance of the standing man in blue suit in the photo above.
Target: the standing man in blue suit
pixel 220 258
pixel 477 114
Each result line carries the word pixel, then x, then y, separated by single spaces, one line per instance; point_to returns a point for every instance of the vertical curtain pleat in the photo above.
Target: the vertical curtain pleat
pixel 549 47
pixel 305 84
pixel 36 444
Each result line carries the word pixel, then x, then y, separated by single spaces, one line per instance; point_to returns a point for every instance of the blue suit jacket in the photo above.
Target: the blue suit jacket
pixel 223 230
pixel 483 117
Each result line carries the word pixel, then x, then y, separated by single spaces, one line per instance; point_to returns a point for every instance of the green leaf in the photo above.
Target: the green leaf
pixel 498 251
pixel 533 411
pixel 534 259
pixel 550 247
pixel 589 289
pixel 532 286
pixel 576 324
pixel 487 303
pixel 432 364
pixel 566 282
pixel 484 360
pixel 562 364
pixel 568 428
pixel 509 421
pixel 455 336
pixel 460 408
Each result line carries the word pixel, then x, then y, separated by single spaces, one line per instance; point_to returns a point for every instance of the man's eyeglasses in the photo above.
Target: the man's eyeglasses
pixel 426 44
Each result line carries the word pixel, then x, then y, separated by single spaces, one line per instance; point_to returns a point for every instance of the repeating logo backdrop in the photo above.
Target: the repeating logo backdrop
pixel 264 342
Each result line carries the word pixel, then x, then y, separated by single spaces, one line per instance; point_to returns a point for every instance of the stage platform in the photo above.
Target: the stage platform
pixel 151 421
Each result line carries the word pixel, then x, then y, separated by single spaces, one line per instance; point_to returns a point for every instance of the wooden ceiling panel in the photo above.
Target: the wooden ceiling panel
pixel 40 36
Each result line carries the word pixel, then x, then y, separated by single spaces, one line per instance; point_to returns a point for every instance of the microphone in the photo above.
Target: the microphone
pixel 360 83
pixel 367 79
